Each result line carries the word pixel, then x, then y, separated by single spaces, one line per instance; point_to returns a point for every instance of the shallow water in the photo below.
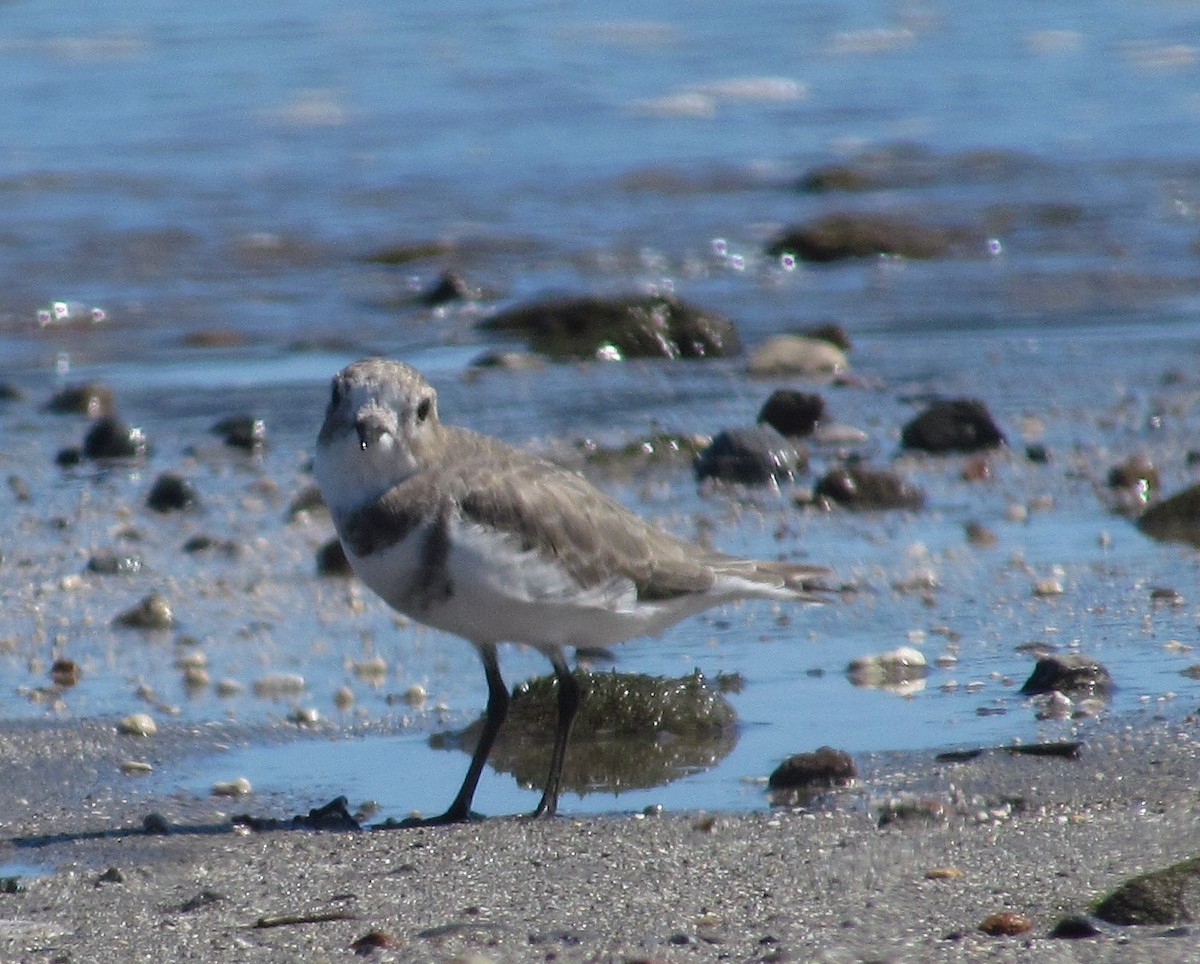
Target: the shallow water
pixel 225 174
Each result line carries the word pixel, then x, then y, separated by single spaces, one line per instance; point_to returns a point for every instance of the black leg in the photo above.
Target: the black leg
pixel 497 710
pixel 569 698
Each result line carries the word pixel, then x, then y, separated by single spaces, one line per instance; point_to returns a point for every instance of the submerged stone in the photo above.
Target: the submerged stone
pixel 1070 674
pixel 757 455
pixel 1175 519
pixel 633 731
pixel 953 425
pixel 614 328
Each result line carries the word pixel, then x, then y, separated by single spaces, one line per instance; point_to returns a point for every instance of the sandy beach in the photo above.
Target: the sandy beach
pixel 1039 837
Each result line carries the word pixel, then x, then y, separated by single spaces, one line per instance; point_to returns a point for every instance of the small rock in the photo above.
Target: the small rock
pixel 136 768
pixel 1175 519
pixel 172 493
pixel 239 787
pixel 137 724
pixel 831 332
pixel 944 873
pixel 751 456
pixel 1137 472
pixel 205 543
pixel 823 768
pixel 153 613
pixel 448 287
pixel 1007 923
pixel 242 432
pixel 109 563
pixel 305 716
pixel 65 672
pixel 855 486
pixel 792 413
pixel 796 355
pixel 1166 596
pixel 93 399
pixel 1069 674
pixel 896 667
pixel 332 561
pixel 111 438
pixel 111 876
pixel 343 698
pixel 10 392
pixel 953 425
pixel 1074 927
pixel 980 535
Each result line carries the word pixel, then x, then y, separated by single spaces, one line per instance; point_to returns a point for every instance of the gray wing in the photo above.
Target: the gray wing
pixel 558 514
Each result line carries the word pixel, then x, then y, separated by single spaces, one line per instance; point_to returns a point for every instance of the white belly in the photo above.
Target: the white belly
pixel 490 591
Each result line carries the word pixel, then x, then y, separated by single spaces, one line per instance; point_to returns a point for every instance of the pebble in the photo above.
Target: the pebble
pixel 239 787
pixel 343 697
pixel 137 724
pixel 1007 923
pixel 791 412
pixel 152 613
pixel 901 665
pixel 751 456
pixel 952 425
pixel 796 355
pixel 944 873
pixel 65 672
pixel 825 767
pixel 93 399
pixel 172 493
pixel 135 768
pixel 111 438
pixel 242 432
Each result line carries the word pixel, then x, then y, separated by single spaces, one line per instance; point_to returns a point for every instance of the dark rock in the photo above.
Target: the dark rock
pixel 65 672
pixel 448 287
pixel 858 487
pixel 93 399
pixel 1074 927
pixel 952 425
pixel 792 413
pixel 155 824
pixel 373 941
pixel 835 237
pixel 751 456
pixel 172 493
pixel 112 875
pixel 332 561
pixel 109 563
pixel 152 613
pixel 68 457
pixel 111 438
pixel 242 432
pixel 831 332
pixel 1174 519
pixel 1037 453
pixel 821 769
pixel 10 392
pixel 634 326
pixel 206 543
pixel 1070 674
pixel 1167 896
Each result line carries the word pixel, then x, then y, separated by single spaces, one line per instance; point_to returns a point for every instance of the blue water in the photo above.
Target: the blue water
pixel 226 168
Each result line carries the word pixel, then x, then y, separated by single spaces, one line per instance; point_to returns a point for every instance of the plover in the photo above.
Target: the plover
pixel 470 535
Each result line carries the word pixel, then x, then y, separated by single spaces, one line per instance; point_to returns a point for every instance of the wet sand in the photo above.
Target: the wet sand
pixel 1041 837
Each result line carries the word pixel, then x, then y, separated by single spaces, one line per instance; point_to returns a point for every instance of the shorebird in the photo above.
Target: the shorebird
pixel 473 536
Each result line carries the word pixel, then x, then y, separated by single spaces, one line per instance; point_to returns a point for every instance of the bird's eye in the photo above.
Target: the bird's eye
pixel 424 406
